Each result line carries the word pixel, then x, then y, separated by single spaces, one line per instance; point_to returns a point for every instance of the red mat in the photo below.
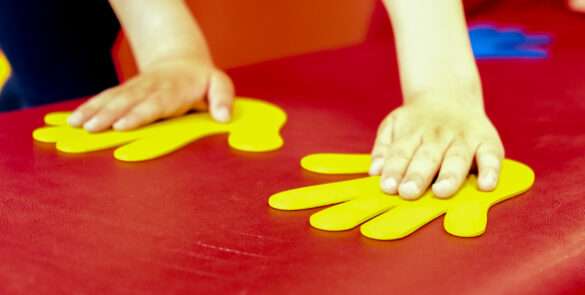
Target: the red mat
pixel 196 222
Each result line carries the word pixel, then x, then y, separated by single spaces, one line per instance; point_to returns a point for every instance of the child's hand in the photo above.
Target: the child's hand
pixel 430 136
pixel 168 88
pixel 442 126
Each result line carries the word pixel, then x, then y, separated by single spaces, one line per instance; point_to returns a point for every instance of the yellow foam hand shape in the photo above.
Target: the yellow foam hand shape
pixel 385 217
pixel 4 69
pixel 255 127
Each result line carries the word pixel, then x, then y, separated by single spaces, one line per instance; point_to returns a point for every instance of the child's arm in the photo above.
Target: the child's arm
pixel 442 126
pixel 176 70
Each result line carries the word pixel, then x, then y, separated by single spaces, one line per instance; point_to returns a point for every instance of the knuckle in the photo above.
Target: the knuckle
pixel 165 88
pixel 398 154
pixel 110 91
pixel 460 135
pixel 379 149
pixel 429 154
pixel 148 85
pixel 494 150
pixel 438 136
pixel 455 170
pixel 393 170
pixel 460 155
pixel 447 173
pixel 147 110
pixel 383 139
pixel 86 109
pixel 115 105
pixel 437 132
pixel 93 104
pixel 157 106
pixel 138 116
pixel 489 161
pixel 104 96
pixel 500 151
pixel 384 133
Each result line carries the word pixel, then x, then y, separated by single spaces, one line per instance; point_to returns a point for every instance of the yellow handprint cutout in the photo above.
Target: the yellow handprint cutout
pixel 255 127
pixel 387 217
pixel 4 69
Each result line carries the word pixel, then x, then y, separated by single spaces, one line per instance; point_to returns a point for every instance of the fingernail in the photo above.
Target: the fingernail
pixel 376 166
pixel 75 119
pixel 222 115
pixel 443 187
pixel 389 185
pixel 91 125
pixel 409 189
pixel 121 124
pixel 487 181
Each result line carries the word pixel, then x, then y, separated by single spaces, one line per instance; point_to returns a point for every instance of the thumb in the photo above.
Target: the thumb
pixel 221 96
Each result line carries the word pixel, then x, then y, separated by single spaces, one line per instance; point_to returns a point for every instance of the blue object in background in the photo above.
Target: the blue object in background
pixel 490 42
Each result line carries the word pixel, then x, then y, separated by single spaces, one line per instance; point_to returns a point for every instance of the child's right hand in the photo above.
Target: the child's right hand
pixel 168 88
pixel 434 136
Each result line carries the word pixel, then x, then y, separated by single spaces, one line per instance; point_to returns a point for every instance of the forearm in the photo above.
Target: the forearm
pixel 159 29
pixel 433 47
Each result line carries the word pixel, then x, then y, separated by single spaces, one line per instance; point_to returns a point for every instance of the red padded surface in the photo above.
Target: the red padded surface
pixel 196 222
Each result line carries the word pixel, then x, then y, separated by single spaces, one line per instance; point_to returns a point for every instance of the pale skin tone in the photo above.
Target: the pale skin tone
pixel 440 129
pixel 177 73
pixel 577 5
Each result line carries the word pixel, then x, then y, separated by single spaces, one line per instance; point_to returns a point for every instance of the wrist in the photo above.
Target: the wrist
pixel 182 58
pixel 460 93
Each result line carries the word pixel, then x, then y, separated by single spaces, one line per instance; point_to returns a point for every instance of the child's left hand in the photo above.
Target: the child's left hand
pixel 168 88
pixel 426 137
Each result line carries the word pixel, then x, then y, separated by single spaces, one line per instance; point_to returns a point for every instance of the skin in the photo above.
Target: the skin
pixel 441 128
pixel 177 73
pixel 577 5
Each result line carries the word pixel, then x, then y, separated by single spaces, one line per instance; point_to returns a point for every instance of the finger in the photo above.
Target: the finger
pixel 489 158
pixel 145 112
pixel 174 103
pixel 383 140
pixel 422 169
pixel 113 110
pixel 84 112
pixel 396 161
pixel 221 96
pixel 454 169
pixel 173 98
pixel 196 97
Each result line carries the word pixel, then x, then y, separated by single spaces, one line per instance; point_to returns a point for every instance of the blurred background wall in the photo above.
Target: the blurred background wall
pixel 246 32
